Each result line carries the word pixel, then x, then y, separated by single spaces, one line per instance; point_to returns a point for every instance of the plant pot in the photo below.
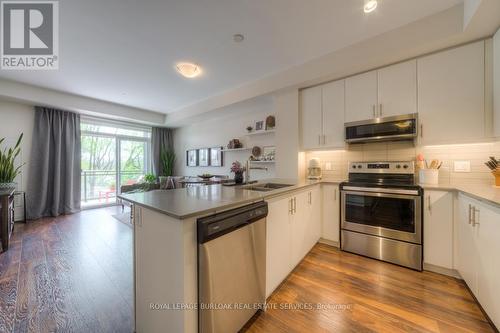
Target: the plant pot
pixel 4 186
pixel 238 177
pixel 163 182
pixel 496 174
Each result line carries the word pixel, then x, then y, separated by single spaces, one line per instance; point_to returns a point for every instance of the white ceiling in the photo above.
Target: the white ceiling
pixel 124 51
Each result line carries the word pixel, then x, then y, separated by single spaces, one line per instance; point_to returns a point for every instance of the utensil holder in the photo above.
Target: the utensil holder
pixel 429 176
pixel 496 174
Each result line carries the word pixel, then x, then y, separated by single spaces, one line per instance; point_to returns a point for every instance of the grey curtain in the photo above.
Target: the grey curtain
pixel 54 171
pixel 161 139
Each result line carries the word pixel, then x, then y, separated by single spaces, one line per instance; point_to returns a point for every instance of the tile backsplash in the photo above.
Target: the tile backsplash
pixel 477 154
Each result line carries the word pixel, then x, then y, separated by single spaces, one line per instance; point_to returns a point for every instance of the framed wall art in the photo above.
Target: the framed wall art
pixel 216 157
pixel 203 157
pixel 192 158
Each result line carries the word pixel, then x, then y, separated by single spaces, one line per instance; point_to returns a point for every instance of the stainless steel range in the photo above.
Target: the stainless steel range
pixel 381 212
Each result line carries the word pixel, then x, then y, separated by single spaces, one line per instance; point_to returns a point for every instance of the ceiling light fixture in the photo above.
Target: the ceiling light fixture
pixel 188 69
pixel 370 6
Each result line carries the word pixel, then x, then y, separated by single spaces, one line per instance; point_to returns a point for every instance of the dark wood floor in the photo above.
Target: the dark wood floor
pixel 68 274
pixel 74 274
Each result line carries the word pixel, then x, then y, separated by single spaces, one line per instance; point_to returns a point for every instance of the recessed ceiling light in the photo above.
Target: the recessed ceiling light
pixel 370 6
pixel 238 38
pixel 188 69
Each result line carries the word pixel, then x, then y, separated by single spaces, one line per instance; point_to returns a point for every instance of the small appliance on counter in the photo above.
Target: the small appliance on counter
pixel 314 169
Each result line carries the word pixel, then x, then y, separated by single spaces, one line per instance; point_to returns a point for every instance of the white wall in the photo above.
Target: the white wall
pixel 286 107
pixel 16 118
pixel 219 130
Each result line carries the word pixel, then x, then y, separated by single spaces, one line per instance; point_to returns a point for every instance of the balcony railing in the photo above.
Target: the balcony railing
pixel 101 185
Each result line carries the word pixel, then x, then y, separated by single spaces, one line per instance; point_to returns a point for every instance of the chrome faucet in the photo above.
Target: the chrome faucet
pixel 247 170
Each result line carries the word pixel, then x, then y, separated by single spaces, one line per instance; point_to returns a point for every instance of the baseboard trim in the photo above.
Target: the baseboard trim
pixel 442 270
pixel 329 242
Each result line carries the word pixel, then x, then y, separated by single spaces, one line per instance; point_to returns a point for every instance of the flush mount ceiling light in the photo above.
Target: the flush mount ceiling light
pixel 188 69
pixel 370 6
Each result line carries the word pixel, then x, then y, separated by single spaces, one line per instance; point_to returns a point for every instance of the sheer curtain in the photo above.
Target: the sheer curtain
pixel 54 172
pixel 161 139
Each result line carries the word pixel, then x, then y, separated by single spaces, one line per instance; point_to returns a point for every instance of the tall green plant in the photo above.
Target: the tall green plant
pixel 7 157
pixel 167 162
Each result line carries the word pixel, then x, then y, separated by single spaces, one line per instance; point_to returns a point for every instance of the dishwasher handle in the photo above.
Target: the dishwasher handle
pixel 217 225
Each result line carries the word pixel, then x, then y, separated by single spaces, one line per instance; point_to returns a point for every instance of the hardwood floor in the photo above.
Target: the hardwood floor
pixel 68 274
pixel 371 296
pixel 74 274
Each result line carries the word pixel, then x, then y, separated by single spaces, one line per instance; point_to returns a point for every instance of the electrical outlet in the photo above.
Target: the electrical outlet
pixel 461 166
pixel 328 166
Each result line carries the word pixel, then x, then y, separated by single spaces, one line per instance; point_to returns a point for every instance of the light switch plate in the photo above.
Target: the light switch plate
pixel 328 166
pixel 461 166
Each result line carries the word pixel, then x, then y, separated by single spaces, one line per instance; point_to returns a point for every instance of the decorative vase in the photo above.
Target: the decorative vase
pixel 163 182
pixel 238 177
pixel 4 186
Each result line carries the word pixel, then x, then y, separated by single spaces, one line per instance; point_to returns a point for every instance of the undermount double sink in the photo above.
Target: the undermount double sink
pixel 265 187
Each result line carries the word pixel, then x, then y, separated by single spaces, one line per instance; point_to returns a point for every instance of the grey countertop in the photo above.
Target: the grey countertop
pixel 486 193
pixel 202 200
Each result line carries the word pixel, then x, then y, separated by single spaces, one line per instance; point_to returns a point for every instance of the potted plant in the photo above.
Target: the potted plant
pixel 238 171
pixel 167 160
pixel 8 172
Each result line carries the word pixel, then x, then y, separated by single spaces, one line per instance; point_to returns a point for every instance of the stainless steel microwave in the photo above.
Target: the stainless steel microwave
pixel 394 128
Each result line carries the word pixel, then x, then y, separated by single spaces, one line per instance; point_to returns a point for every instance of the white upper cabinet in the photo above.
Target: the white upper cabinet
pixel 311 117
pixel 333 114
pixel 361 97
pixel 322 116
pixel 451 95
pixel 397 89
pixel 496 82
pixel 438 228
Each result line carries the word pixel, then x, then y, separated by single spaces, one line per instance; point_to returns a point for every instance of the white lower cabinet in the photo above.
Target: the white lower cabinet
pixel 478 248
pixel 278 242
pixel 331 213
pixel 293 227
pixel 438 228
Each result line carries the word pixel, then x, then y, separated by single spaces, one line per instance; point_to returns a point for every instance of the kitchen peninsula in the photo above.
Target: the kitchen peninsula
pixel 165 244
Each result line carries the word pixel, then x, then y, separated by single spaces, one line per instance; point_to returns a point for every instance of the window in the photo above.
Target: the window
pixel 112 153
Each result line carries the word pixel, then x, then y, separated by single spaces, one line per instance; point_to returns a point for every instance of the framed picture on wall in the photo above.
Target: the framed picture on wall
pixel 259 125
pixel 203 157
pixel 192 158
pixel 216 158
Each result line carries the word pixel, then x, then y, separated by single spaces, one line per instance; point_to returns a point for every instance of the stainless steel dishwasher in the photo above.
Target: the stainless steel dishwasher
pixel 231 268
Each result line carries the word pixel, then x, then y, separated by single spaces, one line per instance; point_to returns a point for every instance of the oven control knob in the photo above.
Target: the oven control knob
pixel 354 167
pixel 398 166
pixel 405 166
pixel 360 166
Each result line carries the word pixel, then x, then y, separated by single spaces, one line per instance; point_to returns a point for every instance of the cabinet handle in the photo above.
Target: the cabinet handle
pixel 421 130
pixel 324 139
pixel 294 205
pixel 429 204
pixel 334 194
pixel 290 207
pixel 470 213
pixel 319 139
pixel 310 198
pixel 474 222
pixel 380 110
pixel 374 113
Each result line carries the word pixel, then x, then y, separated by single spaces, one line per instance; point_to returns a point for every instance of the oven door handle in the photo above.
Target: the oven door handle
pixel 381 190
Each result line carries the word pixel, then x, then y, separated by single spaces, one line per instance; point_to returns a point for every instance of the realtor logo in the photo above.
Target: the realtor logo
pixel 29 35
